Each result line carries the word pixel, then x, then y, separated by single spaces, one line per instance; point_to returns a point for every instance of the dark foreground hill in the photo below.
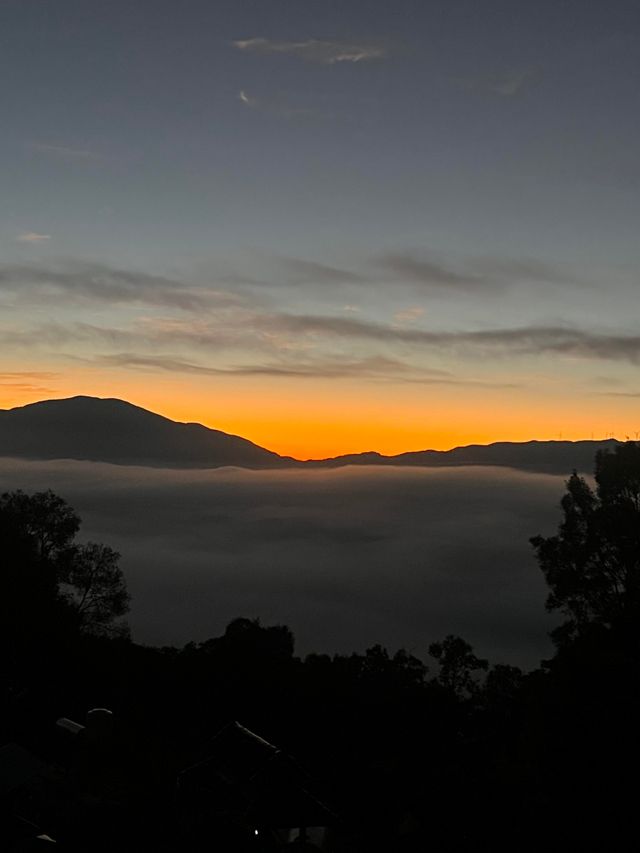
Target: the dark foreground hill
pixel 109 430
pixel 121 433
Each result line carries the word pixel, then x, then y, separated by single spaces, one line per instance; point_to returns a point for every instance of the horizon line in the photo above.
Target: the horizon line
pixel 610 437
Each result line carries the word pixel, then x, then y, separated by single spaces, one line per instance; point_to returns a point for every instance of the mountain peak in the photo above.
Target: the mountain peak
pixel 113 430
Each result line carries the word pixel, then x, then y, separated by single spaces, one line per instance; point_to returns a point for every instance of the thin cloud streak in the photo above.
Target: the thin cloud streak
pixel 408 316
pixel 32 237
pixel 507 85
pixel 26 387
pixel 475 275
pixel 93 281
pixel 292 336
pixel 64 151
pixel 511 84
pixel 432 274
pixel 634 395
pixel 278 107
pixel 249 102
pixel 28 374
pixel 101 283
pixel 300 271
pixel 314 50
pixel 523 340
pixel 375 367
pixel 524 269
pixel 27 382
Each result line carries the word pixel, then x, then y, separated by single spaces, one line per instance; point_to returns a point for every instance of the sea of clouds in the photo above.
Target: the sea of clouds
pixel 347 558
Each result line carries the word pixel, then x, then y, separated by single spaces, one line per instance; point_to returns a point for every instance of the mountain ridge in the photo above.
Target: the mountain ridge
pixel 112 430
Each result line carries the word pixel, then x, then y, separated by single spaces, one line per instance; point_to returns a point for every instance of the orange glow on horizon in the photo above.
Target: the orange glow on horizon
pixel 323 418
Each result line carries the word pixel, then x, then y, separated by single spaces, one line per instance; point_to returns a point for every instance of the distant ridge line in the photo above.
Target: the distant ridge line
pixel 115 431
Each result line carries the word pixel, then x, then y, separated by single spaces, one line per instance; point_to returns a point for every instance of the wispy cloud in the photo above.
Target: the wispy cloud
pixel 421 272
pixel 523 269
pixel 284 107
pixel 26 388
pixel 200 330
pixel 297 337
pixel 408 316
pixel 52 336
pixel 28 374
pixel 168 363
pixel 432 274
pixel 531 340
pixel 378 368
pixel 509 85
pixel 90 281
pixel 506 85
pixel 484 275
pixel 246 99
pixel 315 50
pixel 27 382
pixel 374 367
pixel 32 237
pixel 267 270
pixel 64 151
pixel 300 271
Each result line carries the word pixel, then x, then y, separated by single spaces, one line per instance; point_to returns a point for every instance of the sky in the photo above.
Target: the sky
pixel 326 225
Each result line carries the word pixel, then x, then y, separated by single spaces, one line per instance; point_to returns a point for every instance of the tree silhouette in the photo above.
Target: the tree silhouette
pixel 592 565
pixel 247 640
pixel 402 670
pixel 42 522
pixel 458 665
pixel 95 588
pixel 50 581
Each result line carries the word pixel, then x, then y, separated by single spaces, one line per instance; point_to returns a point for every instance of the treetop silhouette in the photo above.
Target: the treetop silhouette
pixel 50 580
pixel 592 565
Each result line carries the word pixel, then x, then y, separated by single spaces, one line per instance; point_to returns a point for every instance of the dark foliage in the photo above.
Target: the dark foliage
pixel 592 566
pixel 53 585
pixel 468 758
pixel 458 665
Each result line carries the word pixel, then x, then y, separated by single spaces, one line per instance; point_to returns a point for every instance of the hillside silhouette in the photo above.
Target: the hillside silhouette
pixel 118 432
pixel 110 430
pixel 549 457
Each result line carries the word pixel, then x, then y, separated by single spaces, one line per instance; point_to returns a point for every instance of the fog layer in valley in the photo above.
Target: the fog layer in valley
pixel 347 558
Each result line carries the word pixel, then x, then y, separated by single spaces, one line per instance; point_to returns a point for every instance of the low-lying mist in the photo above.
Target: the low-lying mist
pixel 347 558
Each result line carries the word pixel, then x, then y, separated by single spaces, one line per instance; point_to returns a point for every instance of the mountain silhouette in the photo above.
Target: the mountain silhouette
pixel 548 457
pixel 111 430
